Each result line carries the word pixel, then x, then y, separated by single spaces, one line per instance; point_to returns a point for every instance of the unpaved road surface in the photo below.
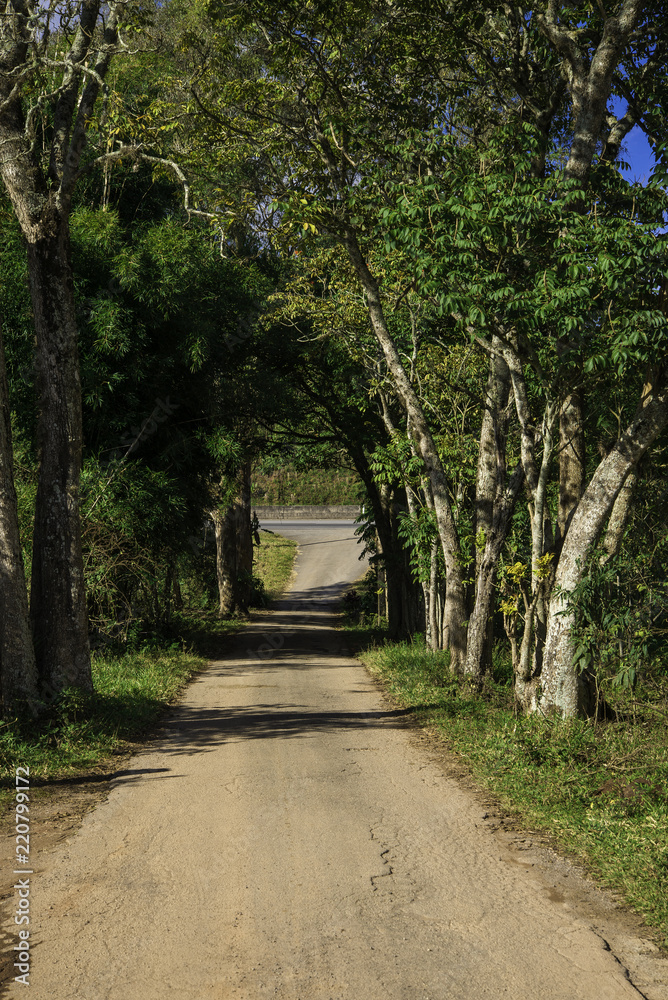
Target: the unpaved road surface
pixel 290 837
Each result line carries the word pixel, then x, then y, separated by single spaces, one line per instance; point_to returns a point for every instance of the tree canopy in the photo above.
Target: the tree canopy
pixel 395 233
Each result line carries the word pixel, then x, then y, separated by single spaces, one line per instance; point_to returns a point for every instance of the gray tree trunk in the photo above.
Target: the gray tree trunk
pixel 234 549
pixel 40 188
pixel 571 459
pixel 564 690
pixel 493 510
pixel 455 613
pixel 589 78
pixel 614 533
pixel 244 539
pixel 225 560
pixel 432 601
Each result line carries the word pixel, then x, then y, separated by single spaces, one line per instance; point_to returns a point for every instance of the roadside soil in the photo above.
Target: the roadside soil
pixel 288 834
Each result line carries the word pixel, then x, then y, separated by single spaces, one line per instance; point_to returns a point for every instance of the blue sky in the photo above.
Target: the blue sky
pixel 638 155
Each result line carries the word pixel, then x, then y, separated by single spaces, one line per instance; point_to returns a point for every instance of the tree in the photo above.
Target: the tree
pixel 331 364
pixel 318 129
pixel 394 130
pixel 559 282
pixel 43 130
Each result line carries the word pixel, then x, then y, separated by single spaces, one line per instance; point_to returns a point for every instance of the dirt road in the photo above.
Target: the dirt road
pixel 289 837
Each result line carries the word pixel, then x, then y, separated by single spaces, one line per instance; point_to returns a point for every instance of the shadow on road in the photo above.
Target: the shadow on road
pixel 313 598
pixel 200 730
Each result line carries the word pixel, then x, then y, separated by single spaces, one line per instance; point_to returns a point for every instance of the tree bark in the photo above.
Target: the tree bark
pixel 571 459
pixel 390 550
pixel 58 611
pixel 18 671
pixel 226 551
pixel 400 618
pixel 564 691
pixel 413 509
pixel 492 516
pixel 589 80
pixel 455 598
pixel 244 539
pixel 529 658
pixel 41 194
pixel 614 533
pixel 434 636
pixel 234 549
pixel 478 628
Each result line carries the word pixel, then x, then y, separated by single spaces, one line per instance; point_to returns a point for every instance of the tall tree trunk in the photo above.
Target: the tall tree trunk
pixel 614 533
pixel 390 552
pixel 589 74
pixel 589 77
pixel 41 188
pixel 244 539
pixel 58 600
pixel 18 672
pixel 529 659
pixel 226 560
pixel 455 598
pixel 571 459
pixel 478 630
pixel 564 691
pixel 432 601
pixel 400 585
pixel 493 510
pixel 412 500
pixel 234 548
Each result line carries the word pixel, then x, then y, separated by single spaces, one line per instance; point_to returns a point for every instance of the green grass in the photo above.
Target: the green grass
pixel 79 730
pixel 600 791
pixel 132 690
pixel 273 562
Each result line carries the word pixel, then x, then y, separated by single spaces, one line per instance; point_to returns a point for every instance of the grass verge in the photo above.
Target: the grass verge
pixel 132 690
pixel 79 730
pixel 274 559
pixel 600 791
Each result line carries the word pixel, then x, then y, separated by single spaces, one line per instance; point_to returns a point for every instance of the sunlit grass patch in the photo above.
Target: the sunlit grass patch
pixel 274 559
pixel 78 730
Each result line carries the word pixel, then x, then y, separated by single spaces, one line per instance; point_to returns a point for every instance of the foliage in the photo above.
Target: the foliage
pixel 315 486
pixel 128 514
pixel 621 617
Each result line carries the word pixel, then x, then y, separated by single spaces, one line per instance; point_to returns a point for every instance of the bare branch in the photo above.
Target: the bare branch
pixel 137 153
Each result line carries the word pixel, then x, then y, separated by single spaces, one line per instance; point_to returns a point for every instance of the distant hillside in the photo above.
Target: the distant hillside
pixel 315 486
